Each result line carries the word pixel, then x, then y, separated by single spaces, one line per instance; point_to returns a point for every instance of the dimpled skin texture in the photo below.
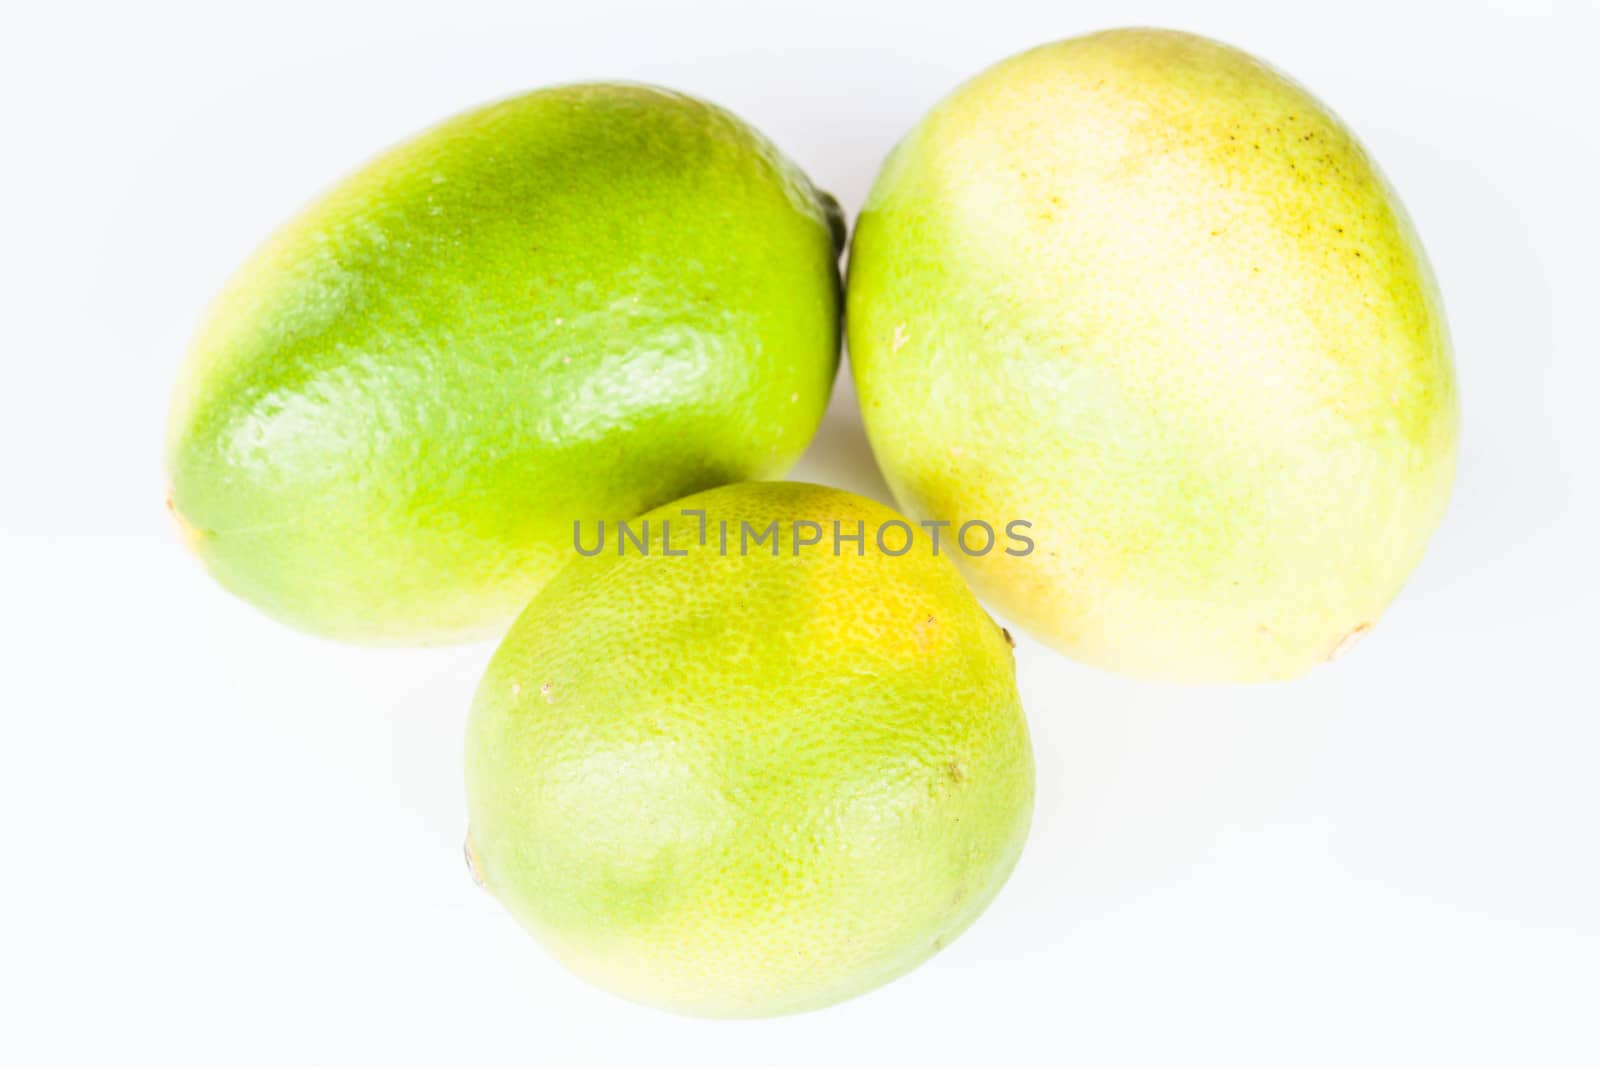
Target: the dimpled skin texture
pixel 575 304
pixel 746 785
pixel 1148 294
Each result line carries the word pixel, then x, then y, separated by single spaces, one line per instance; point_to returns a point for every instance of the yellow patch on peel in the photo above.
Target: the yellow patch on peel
pixel 193 536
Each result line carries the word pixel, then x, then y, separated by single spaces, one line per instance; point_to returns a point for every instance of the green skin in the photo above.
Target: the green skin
pixel 572 305
pixel 1148 294
pixel 746 785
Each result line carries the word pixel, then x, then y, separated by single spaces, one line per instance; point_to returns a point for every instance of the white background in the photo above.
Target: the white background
pixel 227 843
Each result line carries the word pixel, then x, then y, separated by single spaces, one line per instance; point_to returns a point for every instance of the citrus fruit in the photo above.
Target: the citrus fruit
pixel 572 305
pixel 740 781
pixel 1146 293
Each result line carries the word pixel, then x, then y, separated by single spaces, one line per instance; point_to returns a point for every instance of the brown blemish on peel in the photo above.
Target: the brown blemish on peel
pixel 192 535
pixel 1348 641
pixel 923 631
pixel 472 862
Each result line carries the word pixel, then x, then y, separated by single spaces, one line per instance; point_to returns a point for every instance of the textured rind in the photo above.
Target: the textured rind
pixel 575 304
pixel 1148 294
pixel 745 785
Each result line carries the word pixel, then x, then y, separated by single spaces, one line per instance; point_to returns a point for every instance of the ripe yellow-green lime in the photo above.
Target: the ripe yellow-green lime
pixel 753 780
pixel 1145 292
pixel 572 305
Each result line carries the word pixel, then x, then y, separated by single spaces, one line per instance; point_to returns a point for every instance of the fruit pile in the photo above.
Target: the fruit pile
pixel 1135 294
